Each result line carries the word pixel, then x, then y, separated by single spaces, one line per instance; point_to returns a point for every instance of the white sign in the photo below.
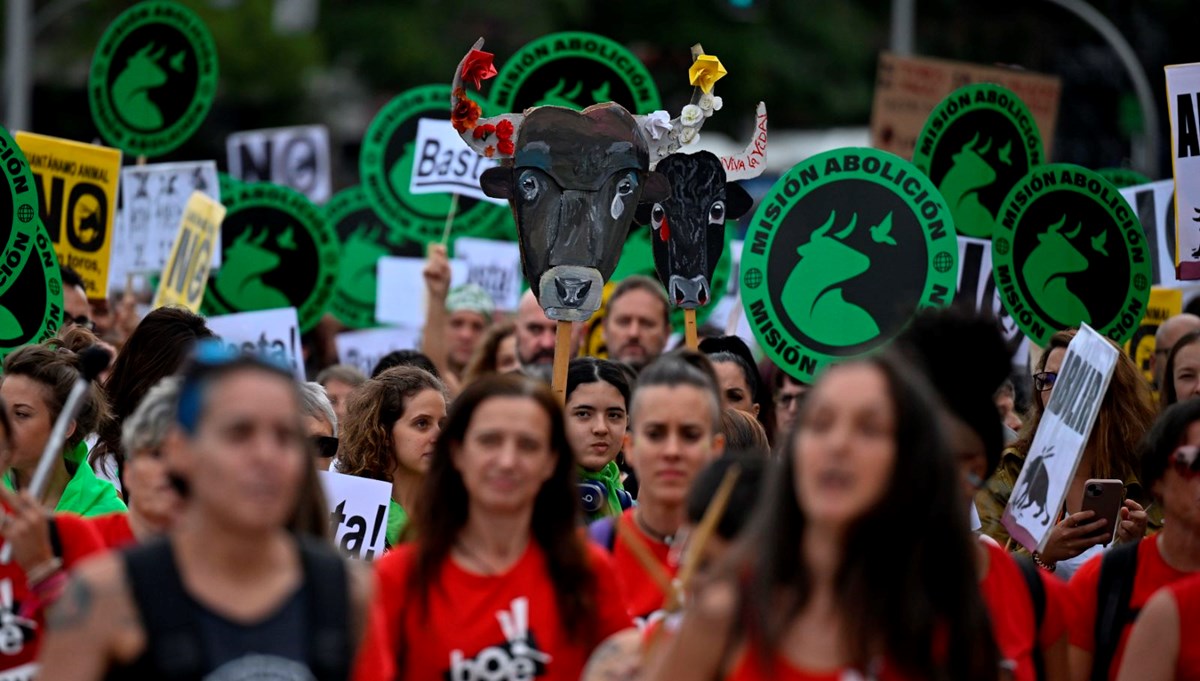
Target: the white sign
pixel 1183 103
pixel 295 157
pixel 153 198
pixel 400 299
pixel 977 290
pixel 358 512
pixel 495 266
pixel 274 334
pixel 1154 204
pixel 364 349
pixel 1062 435
pixel 445 164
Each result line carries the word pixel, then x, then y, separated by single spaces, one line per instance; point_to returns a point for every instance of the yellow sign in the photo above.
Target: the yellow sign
pixel 1164 303
pixel 186 273
pixel 77 188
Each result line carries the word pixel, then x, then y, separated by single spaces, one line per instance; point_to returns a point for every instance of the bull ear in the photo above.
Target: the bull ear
pixel 658 187
pixel 497 182
pixel 737 201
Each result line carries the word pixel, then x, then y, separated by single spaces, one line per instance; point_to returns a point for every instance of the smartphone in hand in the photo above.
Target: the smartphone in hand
pixel 1105 498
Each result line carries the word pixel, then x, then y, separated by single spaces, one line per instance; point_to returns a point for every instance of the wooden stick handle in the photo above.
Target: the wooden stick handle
pixel 700 536
pixel 562 357
pixel 690 335
pixel 141 159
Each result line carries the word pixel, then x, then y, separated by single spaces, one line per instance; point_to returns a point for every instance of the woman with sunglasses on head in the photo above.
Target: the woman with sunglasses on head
pixel 230 592
pixel 597 415
pixel 1125 414
pixel 498 583
pixel 391 429
pixel 1112 588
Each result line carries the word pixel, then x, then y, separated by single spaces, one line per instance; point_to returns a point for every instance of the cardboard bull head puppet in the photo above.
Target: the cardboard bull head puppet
pixel 689 224
pixel 574 180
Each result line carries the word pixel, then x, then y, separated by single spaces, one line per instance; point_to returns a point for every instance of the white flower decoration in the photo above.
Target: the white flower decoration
pixel 656 124
pixel 691 115
pixel 689 136
pixel 710 103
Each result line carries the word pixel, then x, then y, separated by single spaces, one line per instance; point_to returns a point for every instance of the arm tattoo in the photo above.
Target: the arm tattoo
pixel 74 607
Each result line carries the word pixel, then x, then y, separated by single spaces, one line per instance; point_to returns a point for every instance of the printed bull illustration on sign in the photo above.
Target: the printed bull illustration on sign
pixel 1036 488
pixel 689 225
pixel 574 180
pixel 1048 266
pixel 971 173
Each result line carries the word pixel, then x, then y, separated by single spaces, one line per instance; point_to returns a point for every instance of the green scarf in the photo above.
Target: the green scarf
pixel 85 494
pixel 396 522
pixel 610 475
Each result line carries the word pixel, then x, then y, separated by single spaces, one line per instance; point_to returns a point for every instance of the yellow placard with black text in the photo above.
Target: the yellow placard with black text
pixel 77 192
pixel 1164 303
pixel 186 274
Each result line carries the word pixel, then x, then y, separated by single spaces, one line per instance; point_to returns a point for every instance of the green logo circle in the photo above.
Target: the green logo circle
pixel 386 164
pixel 978 142
pixel 845 249
pixel 276 251
pixel 364 238
pixel 32 307
pixel 1123 177
pixel 1078 254
pixel 153 78
pixel 574 70
pixel 18 211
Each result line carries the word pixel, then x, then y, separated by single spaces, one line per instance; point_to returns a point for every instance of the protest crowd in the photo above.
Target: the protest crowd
pixel 857 474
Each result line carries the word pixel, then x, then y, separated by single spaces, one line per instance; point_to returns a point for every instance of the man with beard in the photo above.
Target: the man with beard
pixel 638 321
pixel 535 338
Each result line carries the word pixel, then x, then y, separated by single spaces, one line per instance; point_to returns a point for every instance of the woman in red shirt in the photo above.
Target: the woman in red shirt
pixel 1165 642
pixel 860 560
pixel 498 583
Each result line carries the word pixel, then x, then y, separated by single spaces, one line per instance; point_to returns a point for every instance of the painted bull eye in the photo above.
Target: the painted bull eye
pixel 657 215
pixel 625 187
pixel 716 214
pixel 529 185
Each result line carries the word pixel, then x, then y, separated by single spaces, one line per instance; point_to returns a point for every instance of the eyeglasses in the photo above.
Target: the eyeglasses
pixel 326 446
pixel 1186 461
pixel 1044 380
pixel 81 320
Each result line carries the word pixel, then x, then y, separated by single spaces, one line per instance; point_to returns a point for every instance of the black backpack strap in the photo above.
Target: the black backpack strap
pixel 1118 568
pixel 330 649
pixel 1037 594
pixel 168 617
pixel 56 546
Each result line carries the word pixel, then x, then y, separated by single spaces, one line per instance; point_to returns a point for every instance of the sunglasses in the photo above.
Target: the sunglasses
pixel 325 445
pixel 1186 461
pixel 1044 380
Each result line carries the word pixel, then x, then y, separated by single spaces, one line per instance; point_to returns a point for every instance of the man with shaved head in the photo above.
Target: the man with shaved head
pixel 1169 332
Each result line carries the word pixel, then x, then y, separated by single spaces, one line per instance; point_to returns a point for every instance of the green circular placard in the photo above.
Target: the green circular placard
pixel 18 211
pixel 276 251
pixel 1069 250
pixel 364 238
pixel 31 310
pixel 1123 177
pixel 153 78
pixel 574 70
pixel 842 252
pixel 386 162
pixel 978 142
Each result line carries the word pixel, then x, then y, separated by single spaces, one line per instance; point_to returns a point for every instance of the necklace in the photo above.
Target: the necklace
pixel 657 536
pixel 488 568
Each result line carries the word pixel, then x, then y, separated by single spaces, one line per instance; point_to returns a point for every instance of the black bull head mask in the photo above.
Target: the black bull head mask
pixel 574 180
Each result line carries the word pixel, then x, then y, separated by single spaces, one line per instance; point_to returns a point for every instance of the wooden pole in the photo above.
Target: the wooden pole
pixel 450 218
pixel 691 337
pixel 562 357
pixel 141 159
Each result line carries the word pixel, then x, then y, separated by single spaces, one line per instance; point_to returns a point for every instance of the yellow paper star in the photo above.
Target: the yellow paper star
pixel 706 71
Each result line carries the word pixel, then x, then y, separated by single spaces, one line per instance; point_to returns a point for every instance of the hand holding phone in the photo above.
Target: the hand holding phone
pixel 1104 498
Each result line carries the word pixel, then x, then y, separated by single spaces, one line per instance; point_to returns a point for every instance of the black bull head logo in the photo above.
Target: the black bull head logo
pixel 574 180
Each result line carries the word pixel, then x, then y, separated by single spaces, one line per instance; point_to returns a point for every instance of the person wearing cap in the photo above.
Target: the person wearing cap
pixel 455 320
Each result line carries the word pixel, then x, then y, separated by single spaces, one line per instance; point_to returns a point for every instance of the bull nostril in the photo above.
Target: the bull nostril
pixel 583 290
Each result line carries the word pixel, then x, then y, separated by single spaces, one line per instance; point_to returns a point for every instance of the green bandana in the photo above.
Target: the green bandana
pixel 610 475
pixel 396 522
pixel 470 298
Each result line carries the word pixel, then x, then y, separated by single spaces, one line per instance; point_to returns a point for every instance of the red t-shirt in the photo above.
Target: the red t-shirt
pixel 642 593
pixel 1152 574
pixel 21 638
pixel 750 667
pixel 114 529
pixel 1187 602
pixel 500 628
pixel 1010 606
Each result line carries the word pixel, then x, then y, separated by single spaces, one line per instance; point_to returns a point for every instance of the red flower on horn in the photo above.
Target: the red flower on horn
pixel 504 129
pixel 478 67
pixel 489 151
pixel 484 130
pixel 465 112
pixel 505 147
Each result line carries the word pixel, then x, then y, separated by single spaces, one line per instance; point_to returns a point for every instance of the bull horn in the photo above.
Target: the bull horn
pixel 820 231
pixel 971 144
pixel 849 228
pixel 986 145
pixel 481 145
pixel 1075 232
pixel 669 142
pixel 751 162
pixel 1058 225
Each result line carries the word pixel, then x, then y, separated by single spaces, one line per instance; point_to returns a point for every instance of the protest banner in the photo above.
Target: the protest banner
pixel 445 164
pixel 31 306
pixel 977 291
pixel 1183 104
pixel 400 300
pixel 908 88
pixel 153 199
pixel 358 512
pixel 1164 304
pixel 295 157
pixel 18 215
pixel 1062 435
pixel 186 274
pixel 1154 204
pixel 495 266
pixel 77 184
pixel 363 349
pixel 274 334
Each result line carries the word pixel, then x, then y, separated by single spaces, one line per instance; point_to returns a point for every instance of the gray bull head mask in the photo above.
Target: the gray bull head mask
pixel 574 180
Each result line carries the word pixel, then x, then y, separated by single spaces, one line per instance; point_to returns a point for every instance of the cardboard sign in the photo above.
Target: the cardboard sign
pixel 358 512
pixel 364 349
pixel 977 291
pixel 186 273
pixel 1069 250
pixel 31 308
pixel 495 266
pixel 445 164
pixel 843 250
pixel 18 215
pixel 270 333
pixel 296 157
pixel 401 299
pixel 908 88
pixel 1155 207
pixel 1041 488
pixel 1164 304
pixel 153 78
pixel 77 184
pixel 1183 103
pixel 153 199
